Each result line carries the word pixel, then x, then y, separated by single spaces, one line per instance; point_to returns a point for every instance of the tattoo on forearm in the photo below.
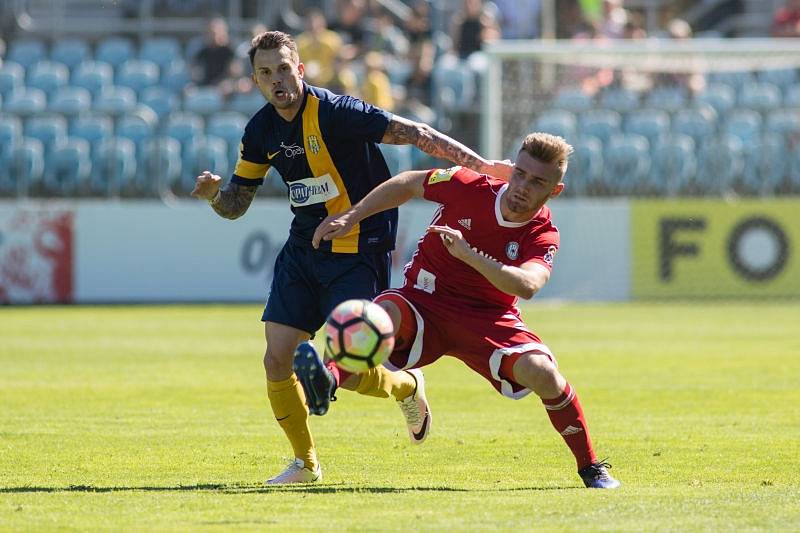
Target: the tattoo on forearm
pixel 431 142
pixel 233 200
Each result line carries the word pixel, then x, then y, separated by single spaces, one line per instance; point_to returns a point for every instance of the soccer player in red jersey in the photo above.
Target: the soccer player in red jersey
pixel 490 243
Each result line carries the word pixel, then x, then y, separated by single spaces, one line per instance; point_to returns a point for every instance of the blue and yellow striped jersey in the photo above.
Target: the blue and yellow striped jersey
pixel 328 156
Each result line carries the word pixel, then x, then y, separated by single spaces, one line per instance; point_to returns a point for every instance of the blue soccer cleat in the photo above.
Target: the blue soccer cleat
pixel 596 476
pixel 317 381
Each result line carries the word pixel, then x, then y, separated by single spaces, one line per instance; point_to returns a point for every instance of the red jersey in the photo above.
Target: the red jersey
pixel 470 202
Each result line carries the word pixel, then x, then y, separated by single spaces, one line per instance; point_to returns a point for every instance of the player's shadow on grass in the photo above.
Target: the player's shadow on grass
pixel 261 489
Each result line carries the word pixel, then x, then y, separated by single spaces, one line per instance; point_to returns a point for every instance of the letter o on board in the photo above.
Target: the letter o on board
pixel 758 248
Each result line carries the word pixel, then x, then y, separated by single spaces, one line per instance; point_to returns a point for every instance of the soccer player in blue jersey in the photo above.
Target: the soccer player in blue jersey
pixel 325 147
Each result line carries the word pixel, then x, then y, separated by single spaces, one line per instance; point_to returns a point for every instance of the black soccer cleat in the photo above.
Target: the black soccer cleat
pixel 317 381
pixel 596 476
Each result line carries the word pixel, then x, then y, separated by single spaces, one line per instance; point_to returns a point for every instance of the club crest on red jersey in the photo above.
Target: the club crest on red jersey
pixel 550 255
pixel 442 174
pixel 512 250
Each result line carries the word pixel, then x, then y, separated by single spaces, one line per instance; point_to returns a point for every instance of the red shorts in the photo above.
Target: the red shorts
pixel 487 341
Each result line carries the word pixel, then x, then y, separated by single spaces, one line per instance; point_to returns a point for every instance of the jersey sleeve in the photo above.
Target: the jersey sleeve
pixel 252 165
pixel 446 184
pixel 542 248
pixel 356 118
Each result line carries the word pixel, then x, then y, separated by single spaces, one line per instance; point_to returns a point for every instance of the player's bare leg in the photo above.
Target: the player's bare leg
pixel 288 403
pixel 536 371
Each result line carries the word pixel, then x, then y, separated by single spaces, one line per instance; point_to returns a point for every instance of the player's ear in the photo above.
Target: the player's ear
pixel 557 189
pixel 301 70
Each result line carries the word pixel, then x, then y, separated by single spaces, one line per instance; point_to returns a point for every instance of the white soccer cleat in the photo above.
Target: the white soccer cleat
pixel 416 410
pixel 296 472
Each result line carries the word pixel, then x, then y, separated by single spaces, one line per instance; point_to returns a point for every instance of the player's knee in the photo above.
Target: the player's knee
pixel 394 313
pixel 537 372
pixel 276 364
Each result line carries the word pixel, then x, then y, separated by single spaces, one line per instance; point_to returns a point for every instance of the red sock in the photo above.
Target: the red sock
pixel 338 374
pixel 566 415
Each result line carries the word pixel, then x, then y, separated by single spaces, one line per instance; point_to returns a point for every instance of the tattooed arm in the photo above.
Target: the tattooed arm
pixel 437 144
pixel 230 201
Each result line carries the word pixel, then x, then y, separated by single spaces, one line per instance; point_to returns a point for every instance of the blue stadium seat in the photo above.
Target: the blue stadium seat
pixel 674 164
pixel 26 101
pixel 70 52
pixel 203 100
pixel 175 76
pixel 573 99
pixel 93 76
pixel 782 78
pixel 627 163
pixel 619 99
pixel 585 171
pixel 115 100
pixel 669 99
pixel 600 123
pixel 397 156
pixel 26 166
pixel 160 50
pixel 698 123
pixel 760 96
pixel 161 167
pixel 68 168
pixel 653 124
pixel 734 79
pixel 50 129
pixel 792 97
pixel 744 124
pixel 10 138
pixel 186 128
pixel 794 170
pixel 785 122
pixel 12 78
pixel 719 96
pixel 558 122
pixel 70 101
pixel 229 125
pixel 247 103
pixel 720 165
pixel 26 52
pixel 48 76
pixel 160 100
pixel 92 127
pixel 455 83
pixel 113 166
pixel 114 51
pixel 136 127
pixel 138 74
pixel 207 152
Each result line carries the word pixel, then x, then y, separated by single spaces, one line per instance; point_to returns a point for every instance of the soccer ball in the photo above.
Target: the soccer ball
pixel 358 335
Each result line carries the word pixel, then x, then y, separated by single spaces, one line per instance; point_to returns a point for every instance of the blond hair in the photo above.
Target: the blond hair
pixel 548 148
pixel 273 40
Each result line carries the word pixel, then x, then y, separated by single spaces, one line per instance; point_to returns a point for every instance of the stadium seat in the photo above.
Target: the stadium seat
pixel 454 82
pixel 792 97
pixel 794 170
pixel 743 123
pixel 48 76
pixel 26 166
pixel 760 96
pixel 573 99
pixel 600 123
pixel 619 100
pixel 558 122
pixel 765 164
pixel 138 74
pixel 160 100
pixel 184 126
pixel 26 101
pixel 782 78
pixel 93 76
pixel 10 138
pixel 698 123
pixel 247 103
pixel 115 100
pixel 784 122
pixel 161 168
pixel 12 78
pixel 26 52
pixel 160 50
pixel 175 76
pixel 70 101
pixel 720 165
pixel 397 156
pixel 113 166
pixel 68 168
pixel 50 129
pixel 206 152
pixel 669 99
pixel 136 127
pixel 734 79
pixel 203 100
pixel 585 172
pixel 70 52
pixel 93 128
pixel 653 124
pixel 627 163
pixel 114 51
pixel 719 96
pixel 229 125
pixel 674 164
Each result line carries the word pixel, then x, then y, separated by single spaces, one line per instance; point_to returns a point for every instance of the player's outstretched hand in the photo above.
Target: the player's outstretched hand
pixel 334 226
pixel 499 169
pixel 206 185
pixel 452 239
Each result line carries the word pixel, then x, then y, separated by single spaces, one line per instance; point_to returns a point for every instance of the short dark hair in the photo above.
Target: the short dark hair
pixel 548 149
pixel 270 40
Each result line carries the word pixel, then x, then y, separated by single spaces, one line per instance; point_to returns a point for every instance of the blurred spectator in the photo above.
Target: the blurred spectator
pixel 387 38
pixel 421 52
pixel 319 47
pixel 214 62
pixel 690 78
pixel 243 83
pixel 519 19
pixel 614 19
pixel 376 88
pixel 786 22
pixel 472 26
pixel 350 24
pixel 344 80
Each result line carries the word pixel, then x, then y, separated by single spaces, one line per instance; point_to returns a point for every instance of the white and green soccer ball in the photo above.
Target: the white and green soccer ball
pixel 358 335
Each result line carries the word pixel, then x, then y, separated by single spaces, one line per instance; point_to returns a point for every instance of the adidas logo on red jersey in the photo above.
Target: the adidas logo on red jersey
pixel 466 222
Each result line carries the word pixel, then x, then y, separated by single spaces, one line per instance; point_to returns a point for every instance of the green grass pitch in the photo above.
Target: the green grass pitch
pixel 156 418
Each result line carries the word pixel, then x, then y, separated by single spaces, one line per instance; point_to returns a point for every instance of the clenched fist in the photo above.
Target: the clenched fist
pixel 206 185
